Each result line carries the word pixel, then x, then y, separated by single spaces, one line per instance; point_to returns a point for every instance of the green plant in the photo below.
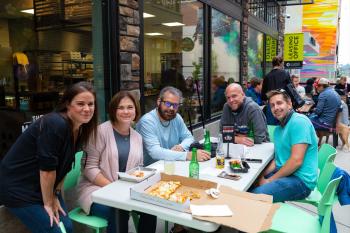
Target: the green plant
pixel 196 71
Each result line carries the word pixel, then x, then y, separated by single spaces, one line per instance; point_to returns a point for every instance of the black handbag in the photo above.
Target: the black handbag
pixel 198 145
pixel 297 101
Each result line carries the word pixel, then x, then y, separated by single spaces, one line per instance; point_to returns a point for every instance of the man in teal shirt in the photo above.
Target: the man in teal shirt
pixel 292 175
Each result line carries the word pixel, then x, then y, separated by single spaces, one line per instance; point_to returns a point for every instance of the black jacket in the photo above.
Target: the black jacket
pixel 46 145
pixel 276 79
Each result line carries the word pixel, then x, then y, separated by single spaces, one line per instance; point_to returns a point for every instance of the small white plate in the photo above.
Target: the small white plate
pixel 127 176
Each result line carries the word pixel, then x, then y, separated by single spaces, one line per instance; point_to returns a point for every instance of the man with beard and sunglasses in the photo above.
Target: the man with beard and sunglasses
pixel 292 175
pixel 165 135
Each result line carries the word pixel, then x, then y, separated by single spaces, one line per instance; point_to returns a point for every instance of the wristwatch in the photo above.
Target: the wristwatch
pixel 57 192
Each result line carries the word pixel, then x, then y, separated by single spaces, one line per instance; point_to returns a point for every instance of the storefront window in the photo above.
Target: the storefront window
pixel 255 53
pixel 225 56
pixel 173 53
pixel 42 51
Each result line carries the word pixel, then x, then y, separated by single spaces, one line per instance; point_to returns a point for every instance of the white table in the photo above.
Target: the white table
pixel 117 194
pixel 207 170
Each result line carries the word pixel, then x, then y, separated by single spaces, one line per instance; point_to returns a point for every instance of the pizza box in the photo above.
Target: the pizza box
pixel 140 191
pixel 251 212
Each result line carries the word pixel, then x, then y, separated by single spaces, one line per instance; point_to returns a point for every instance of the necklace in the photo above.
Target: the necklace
pixel 124 136
pixel 165 125
pixel 121 136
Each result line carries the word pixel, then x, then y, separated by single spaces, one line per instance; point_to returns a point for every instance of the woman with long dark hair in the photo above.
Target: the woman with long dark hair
pixel 33 170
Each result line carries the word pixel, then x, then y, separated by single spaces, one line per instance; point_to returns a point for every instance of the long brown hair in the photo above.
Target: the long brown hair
pixel 86 130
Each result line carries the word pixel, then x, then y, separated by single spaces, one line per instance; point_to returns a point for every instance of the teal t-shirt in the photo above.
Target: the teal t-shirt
pixel 299 130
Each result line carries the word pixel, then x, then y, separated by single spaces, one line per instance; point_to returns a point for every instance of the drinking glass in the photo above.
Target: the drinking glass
pixel 219 148
pixel 220 157
pixel 169 167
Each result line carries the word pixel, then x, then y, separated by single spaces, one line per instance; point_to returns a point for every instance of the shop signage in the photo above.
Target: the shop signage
pixel 228 133
pixel 271 48
pixel 293 50
pixel 187 44
pixel 26 124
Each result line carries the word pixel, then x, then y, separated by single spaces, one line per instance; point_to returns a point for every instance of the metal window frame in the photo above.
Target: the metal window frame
pixel 230 8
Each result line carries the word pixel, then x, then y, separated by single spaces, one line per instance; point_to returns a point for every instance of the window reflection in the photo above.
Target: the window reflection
pixel 173 49
pixel 39 58
pixel 225 54
pixel 255 53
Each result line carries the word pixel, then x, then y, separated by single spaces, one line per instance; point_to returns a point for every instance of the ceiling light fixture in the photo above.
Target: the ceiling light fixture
pixel 146 15
pixel 28 11
pixel 173 24
pixel 154 34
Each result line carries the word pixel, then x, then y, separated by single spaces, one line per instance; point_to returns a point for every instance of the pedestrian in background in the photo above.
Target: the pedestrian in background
pixel 276 79
pixel 296 83
pixel 254 91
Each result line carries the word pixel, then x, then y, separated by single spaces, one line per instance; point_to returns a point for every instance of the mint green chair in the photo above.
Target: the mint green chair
pixel 323 155
pixel 77 214
pixel 62 228
pixel 291 219
pixel 271 131
pixel 315 196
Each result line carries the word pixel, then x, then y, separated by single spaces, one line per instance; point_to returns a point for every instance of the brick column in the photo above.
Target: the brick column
pixel 129 29
pixel 244 40
pixel 281 27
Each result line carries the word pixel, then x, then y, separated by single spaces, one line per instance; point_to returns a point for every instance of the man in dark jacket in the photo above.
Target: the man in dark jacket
pixel 278 78
pixel 245 115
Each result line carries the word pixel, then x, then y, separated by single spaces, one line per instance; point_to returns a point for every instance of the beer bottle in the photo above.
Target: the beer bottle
pixel 207 144
pixel 194 165
pixel 251 131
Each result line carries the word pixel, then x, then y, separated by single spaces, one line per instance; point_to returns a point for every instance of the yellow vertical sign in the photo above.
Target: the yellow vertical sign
pixel 271 48
pixel 293 47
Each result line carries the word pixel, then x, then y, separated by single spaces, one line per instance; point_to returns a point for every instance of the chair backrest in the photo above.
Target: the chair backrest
pixel 271 130
pixel 62 228
pixel 72 177
pixel 326 203
pixel 323 154
pixel 326 174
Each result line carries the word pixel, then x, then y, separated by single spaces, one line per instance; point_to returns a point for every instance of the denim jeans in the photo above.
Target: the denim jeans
pixel 118 219
pixel 37 220
pixel 319 125
pixel 270 119
pixel 288 188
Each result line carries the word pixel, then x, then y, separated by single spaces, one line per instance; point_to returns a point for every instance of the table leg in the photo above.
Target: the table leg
pixel 135 218
pixel 166 227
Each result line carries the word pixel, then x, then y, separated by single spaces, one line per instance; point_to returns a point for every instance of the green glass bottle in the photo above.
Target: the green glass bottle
pixel 207 144
pixel 194 165
pixel 251 131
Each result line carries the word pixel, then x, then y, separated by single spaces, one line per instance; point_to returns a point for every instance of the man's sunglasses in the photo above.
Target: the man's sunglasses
pixel 282 91
pixel 170 104
pixel 277 91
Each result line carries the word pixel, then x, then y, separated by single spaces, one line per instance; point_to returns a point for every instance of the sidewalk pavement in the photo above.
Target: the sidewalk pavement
pixel 341 213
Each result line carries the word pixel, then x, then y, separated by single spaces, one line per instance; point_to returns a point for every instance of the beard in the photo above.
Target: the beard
pixel 166 114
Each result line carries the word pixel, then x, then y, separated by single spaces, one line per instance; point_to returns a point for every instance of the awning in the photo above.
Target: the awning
pixel 293 2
